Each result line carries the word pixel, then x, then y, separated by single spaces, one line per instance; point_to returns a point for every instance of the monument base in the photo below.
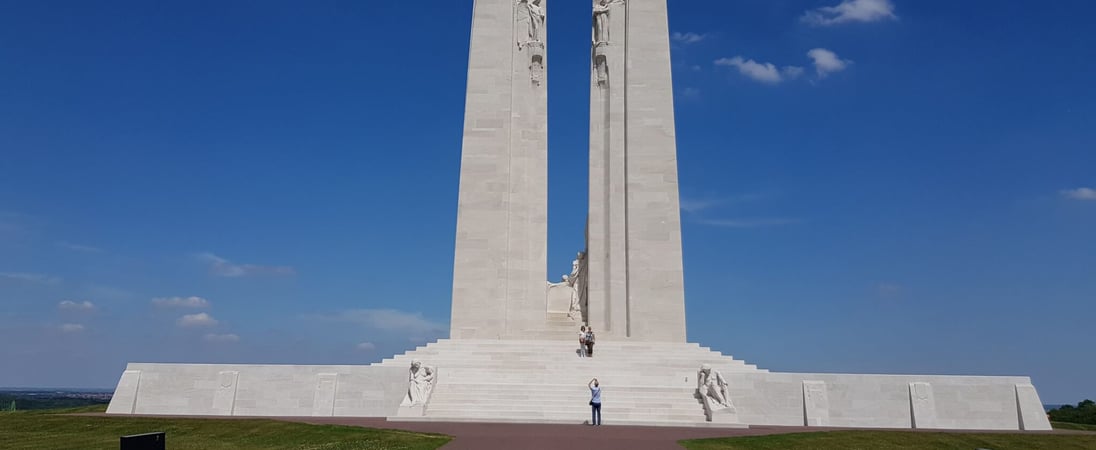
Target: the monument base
pixel 546 382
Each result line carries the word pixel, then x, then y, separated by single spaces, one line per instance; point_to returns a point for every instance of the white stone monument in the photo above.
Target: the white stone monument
pixel 513 334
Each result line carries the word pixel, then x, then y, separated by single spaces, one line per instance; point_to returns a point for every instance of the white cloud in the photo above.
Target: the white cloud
pixel 197 320
pixel 366 346
pixel 222 338
pixel 72 328
pixel 749 223
pixel 1083 193
pixel 688 38
pixel 79 248
pixel 792 72
pixel 180 302
pixel 851 11
pixel 69 305
pixel 693 205
pixel 224 268
pixel 389 320
pixel 827 62
pixel 35 278
pixel 690 92
pixel 762 72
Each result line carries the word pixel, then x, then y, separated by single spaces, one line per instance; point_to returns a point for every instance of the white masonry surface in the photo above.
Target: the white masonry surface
pixel 513 353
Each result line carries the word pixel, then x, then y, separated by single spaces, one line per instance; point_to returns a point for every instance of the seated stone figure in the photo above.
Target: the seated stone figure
pixel 420 384
pixel 713 391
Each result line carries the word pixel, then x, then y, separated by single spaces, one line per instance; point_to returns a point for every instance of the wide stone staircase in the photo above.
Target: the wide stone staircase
pixel 544 381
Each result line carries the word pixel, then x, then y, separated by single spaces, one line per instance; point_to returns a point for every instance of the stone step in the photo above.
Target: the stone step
pixel 615 421
pixel 591 370
pixel 533 342
pixel 682 389
pixel 566 414
pixel 684 408
pixel 568 355
pixel 569 363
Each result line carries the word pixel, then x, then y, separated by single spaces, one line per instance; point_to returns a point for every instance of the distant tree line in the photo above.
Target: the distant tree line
pixel 1084 412
pixel 13 402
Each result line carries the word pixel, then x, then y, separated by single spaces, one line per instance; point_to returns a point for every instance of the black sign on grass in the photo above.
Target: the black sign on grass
pixel 147 441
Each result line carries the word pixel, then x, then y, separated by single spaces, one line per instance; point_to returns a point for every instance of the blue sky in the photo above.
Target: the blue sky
pixel 867 185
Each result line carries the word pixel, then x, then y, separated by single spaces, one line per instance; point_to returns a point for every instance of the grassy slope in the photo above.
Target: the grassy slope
pixel 849 440
pixel 53 431
pixel 1072 426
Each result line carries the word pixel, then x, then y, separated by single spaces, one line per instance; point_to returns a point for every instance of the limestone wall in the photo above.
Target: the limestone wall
pixel 259 390
pixel 887 401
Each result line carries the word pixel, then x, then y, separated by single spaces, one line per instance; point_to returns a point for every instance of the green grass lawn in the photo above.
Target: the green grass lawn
pixel 882 440
pixel 54 430
pixel 1072 426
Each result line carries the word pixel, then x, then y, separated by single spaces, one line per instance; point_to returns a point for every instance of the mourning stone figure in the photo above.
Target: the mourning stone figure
pixel 536 16
pixel 601 21
pixel 420 384
pixel 713 391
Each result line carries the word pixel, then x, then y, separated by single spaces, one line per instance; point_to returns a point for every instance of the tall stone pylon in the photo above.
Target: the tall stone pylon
pixel 501 258
pixel 636 284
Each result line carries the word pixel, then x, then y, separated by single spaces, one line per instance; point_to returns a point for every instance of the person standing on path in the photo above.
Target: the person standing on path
pixel 590 342
pixel 595 402
pixel 582 342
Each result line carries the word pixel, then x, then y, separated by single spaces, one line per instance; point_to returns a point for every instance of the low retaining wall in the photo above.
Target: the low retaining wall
pixel 887 401
pixel 259 390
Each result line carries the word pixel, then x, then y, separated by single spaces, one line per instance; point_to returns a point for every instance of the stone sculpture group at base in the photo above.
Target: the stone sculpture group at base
pixel 714 393
pixel 421 380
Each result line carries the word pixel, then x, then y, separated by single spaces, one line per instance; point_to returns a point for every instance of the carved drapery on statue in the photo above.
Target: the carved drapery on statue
pixel 530 14
pixel 577 281
pixel 420 384
pixel 714 392
pixel 574 286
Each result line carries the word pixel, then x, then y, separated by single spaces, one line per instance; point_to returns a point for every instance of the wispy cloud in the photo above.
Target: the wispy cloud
pixel 1083 193
pixel 222 338
pixel 690 92
pixel 72 328
pixel 78 247
pixel 367 346
pixel 388 320
pixel 827 62
pixel 851 11
pixel 763 72
pixel 180 302
pixel 750 222
pixel 222 267
pixel 71 306
pixel 697 204
pixel 35 278
pixel 197 321
pixel 688 38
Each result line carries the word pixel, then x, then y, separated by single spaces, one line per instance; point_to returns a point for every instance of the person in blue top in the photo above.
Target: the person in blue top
pixel 595 402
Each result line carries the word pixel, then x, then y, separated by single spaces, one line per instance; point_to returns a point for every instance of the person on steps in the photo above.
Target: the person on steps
pixel 595 402
pixel 582 342
pixel 590 342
